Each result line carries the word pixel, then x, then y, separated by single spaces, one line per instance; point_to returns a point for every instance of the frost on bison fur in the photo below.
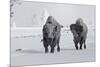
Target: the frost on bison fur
pixel 79 30
pixel 51 34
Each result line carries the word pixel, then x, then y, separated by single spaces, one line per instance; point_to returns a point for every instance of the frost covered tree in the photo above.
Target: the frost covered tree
pixel 12 4
pixel 44 16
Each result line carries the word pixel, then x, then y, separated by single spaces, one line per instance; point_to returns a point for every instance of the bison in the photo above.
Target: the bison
pixel 79 30
pixel 51 34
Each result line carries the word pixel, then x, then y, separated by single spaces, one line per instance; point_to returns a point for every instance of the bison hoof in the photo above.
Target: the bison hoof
pixel 80 48
pixel 46 51
pixel 76 48
pixel 58 50
pixel 84 47
pixel 51 51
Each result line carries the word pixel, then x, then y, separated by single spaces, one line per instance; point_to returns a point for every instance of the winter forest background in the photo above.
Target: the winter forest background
pixel 34 14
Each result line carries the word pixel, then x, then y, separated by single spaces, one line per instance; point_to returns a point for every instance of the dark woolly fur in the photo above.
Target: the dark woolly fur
pixel 79 30
pixel 51 34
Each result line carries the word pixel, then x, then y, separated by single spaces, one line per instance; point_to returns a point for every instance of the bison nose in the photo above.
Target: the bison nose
pixel 50 36
pixel 49 40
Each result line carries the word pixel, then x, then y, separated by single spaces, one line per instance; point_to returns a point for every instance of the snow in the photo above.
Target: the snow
pixel 31 50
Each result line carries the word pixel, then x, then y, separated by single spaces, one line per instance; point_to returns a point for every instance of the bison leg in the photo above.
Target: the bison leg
pixel 58 47
pixel 45 46
pixel 52 50
pixel 84 44
pixel 46 49
pixel 53 46
pixel 76 44
pixel 81 43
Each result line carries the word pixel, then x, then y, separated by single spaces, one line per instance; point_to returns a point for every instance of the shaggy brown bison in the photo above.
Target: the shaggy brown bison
pixel 79 30
pixel 51 34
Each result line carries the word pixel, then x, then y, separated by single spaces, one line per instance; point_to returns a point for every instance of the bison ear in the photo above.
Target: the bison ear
pixel 72 26
pixel 44 28
pixel 62 26
pixel 55 28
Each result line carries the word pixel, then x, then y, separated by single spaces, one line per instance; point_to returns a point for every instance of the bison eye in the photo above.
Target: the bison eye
pixel 50 22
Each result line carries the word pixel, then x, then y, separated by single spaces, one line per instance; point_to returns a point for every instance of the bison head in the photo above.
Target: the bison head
pixel 50 31
pixel 76 30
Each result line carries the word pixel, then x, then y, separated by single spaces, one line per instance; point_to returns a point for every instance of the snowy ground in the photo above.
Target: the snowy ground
pixel 32 52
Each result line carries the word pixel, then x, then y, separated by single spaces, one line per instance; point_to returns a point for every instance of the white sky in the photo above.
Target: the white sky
pixel 29 14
